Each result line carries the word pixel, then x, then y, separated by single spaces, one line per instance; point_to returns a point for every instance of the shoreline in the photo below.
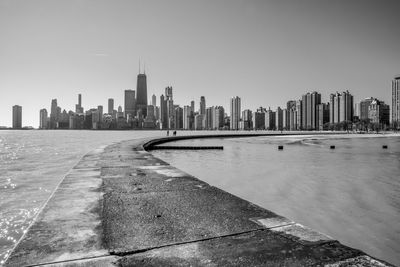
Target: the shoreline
pixel 104 178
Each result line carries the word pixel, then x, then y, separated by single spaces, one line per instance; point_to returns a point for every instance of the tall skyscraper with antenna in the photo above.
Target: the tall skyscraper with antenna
pixel 141 92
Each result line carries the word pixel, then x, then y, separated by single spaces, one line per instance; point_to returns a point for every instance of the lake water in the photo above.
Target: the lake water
pixel 351 193
pixel 32 163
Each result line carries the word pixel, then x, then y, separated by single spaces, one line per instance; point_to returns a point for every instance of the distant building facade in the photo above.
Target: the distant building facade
pixel 130 103
pixel 235 113
pixel 396 101
pixel 17 117
pixel 141 93
pixel 379 112
pixel 341 107
pixel 43 118
pixel 110 106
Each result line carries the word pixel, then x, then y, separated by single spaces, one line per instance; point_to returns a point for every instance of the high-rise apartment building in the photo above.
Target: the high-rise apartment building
pixel 279 119
pixel 285 119
pixel 170 108
pixel 208 118
pixel 299 118
pixel 202 110
pixel 192 106
pixel 78 107
pixel 43 119
pixel 235 113
pixel 110 106
pixel 379 112
pixel 270 119
pixel 141 93
pixel 154 100
pixel 198 122
pixel 259 119
pixel 186 117
pixel 322 116
pixel 346 107
pixel 178 118
pixel 341 107
pixel 163 112
pixel 130 103
pixel 396 101
pixel 364 107
pixel 100 111
pixel 218 117
pixel 292 116
pixel 304 101
pixel 54 114
pixel 247 119
pixel 17 117
pixel 309 110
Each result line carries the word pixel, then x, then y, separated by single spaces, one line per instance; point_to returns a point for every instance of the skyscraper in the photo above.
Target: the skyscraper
pixel 186 117
pixel 178 118
pixel 218 117
pixel 346 107
pixel 235 113
pixel 396 101
pixel 141 93
pixel 269 119
pixel 364 106
pixel 341 107
pixel 192 106
pixel 379 112
pixel 78 107
pixel 43 119
pixel 279 119
pixel 247 119
pixel 130 103
pixel 163 112
pixel 169 101
pixel 208 118
pixel 154 100
pixel 54 114
pixel 309 110
pixel 299 110
pixel 259 119
pixel 202 105
pixel 100 112
pixel 17 117
pixel 110 106
pixel 304 101
pixel 322 116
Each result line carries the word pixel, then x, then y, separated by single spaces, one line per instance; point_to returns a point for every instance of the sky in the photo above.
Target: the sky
pixel 265 51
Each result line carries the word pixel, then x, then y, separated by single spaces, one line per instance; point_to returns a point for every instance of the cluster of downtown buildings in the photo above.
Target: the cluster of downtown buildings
pixel 307 113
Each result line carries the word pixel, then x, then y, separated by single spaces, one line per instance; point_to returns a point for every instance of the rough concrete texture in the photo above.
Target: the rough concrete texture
pixel 121 206
pixel 255 248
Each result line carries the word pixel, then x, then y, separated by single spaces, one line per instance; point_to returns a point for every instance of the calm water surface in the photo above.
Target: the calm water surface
pixel 351 193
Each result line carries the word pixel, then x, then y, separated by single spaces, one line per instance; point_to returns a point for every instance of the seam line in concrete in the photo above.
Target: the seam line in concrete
pixel 182 243
pixel 74 260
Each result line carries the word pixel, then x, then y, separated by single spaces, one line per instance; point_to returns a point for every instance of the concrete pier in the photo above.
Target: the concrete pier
pixel 121 206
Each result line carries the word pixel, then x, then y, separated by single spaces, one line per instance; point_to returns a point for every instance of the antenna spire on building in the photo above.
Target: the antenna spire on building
pixel 139 66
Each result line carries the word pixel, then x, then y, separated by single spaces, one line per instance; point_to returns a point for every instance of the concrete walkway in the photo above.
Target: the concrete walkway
pixel 121 206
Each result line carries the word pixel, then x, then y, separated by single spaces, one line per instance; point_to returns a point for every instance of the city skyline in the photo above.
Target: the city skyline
pixel 265 52
pixel 307 112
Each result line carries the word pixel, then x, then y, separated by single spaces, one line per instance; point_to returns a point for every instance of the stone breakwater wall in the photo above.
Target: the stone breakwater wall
pixel 121 206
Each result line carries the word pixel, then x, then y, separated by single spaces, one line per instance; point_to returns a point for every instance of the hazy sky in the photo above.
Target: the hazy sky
pixel 266 52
